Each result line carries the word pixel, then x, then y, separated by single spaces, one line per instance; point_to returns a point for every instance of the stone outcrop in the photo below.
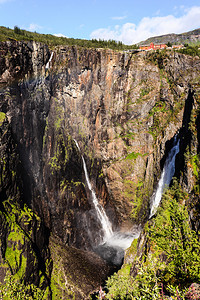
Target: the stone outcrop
pixel 122 108
pixel 183 38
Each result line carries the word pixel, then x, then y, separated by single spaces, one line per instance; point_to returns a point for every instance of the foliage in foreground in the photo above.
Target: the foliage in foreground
pixel 172 261
pixel 14 289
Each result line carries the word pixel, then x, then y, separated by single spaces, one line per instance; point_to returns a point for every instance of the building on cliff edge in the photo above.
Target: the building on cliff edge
pixel 152 46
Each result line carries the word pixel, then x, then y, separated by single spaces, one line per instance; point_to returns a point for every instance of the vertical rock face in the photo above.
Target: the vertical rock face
pixel 24 238
pixel 122 108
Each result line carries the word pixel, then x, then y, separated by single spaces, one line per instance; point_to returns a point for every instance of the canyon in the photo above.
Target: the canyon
pixel 114 114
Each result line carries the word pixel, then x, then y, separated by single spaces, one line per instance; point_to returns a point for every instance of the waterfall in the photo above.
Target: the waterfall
pixel 114 243
pixel 101 214
pixel 166 176
pixel 48 63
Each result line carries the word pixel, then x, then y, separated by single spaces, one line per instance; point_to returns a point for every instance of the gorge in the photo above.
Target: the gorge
pixel 84 139
pixel 166 176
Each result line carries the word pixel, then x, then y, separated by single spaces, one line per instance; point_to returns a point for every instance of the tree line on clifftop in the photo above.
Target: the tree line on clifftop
pixel 52 40
pixel 18 34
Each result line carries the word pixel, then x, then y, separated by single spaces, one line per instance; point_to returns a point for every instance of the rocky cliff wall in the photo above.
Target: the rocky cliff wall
pixel 122 108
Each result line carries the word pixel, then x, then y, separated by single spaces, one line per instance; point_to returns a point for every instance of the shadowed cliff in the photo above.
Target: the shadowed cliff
pixel 122 108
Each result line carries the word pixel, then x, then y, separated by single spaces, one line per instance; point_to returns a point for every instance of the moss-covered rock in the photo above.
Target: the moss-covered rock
pixel 23 242
pixel 76 273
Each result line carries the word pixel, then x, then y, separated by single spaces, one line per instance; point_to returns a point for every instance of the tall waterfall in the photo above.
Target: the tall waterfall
pixel 166 176
pixel 114 243
pixel 101 214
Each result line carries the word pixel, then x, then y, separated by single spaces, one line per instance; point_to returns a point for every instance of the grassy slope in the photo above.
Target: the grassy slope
pixel 49 39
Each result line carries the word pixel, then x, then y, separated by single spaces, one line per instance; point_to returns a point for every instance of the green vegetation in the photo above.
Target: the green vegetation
pixel 172 236
pixel 160 118
pixel 17 30
pixel 172 262
pixel 175 40
pixel 132 155
pixel 158 57
pixel 145 91
pixel 194 162
pixel 14 289
pixel 19 251
pixel 2 117
pixel 49 39
pixel 62 146
pixel 140 209
pixel 190 50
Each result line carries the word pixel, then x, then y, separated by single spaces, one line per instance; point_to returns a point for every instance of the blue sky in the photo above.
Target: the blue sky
pixel 127 20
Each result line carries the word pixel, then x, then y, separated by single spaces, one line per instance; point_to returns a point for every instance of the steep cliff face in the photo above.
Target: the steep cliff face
pixel 24 238
pixel 121 108
pixel 164 261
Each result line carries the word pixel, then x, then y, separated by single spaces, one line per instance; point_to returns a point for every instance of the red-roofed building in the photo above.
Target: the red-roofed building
pixel 152 46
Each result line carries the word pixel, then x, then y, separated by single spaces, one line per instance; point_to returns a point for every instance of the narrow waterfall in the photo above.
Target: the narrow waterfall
pixel 48 63
pixel 101 214
pixel 166 176
pixel 114 243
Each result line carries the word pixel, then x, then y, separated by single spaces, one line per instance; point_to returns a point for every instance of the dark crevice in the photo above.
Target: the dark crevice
pixel 198 131
pixel 185 135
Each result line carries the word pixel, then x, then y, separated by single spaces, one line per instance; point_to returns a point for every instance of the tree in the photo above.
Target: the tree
pixel 17 30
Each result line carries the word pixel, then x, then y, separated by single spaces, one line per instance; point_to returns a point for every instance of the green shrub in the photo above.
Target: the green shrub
pixel 13 289
pixel 172 236
pixel 190 50
pixel 172 261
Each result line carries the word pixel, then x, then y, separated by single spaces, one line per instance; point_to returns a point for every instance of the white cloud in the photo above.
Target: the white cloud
pixel 60 35
pixel 130 33
pixel 34 27
pixel 119 18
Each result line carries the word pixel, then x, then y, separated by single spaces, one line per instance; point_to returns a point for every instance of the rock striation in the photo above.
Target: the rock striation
pixel 122 108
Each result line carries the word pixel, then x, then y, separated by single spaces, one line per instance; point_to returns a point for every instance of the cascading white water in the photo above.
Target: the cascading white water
pixel 166 176
pixel 105 223
pixel 122 240
pixel 114 243
pixel 48 63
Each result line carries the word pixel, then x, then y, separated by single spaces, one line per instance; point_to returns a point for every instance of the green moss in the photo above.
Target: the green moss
pixel 144 91
pixel 159 107
pixel 62 151
pixel 57 282
pixel 140 202
pixel 14 255
pixel 19 242
pixel 125 270
pixel 132 155
pixel 132 250
pixel 2 117
pixel 129 189
pixel 13 288
pixel 195 162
